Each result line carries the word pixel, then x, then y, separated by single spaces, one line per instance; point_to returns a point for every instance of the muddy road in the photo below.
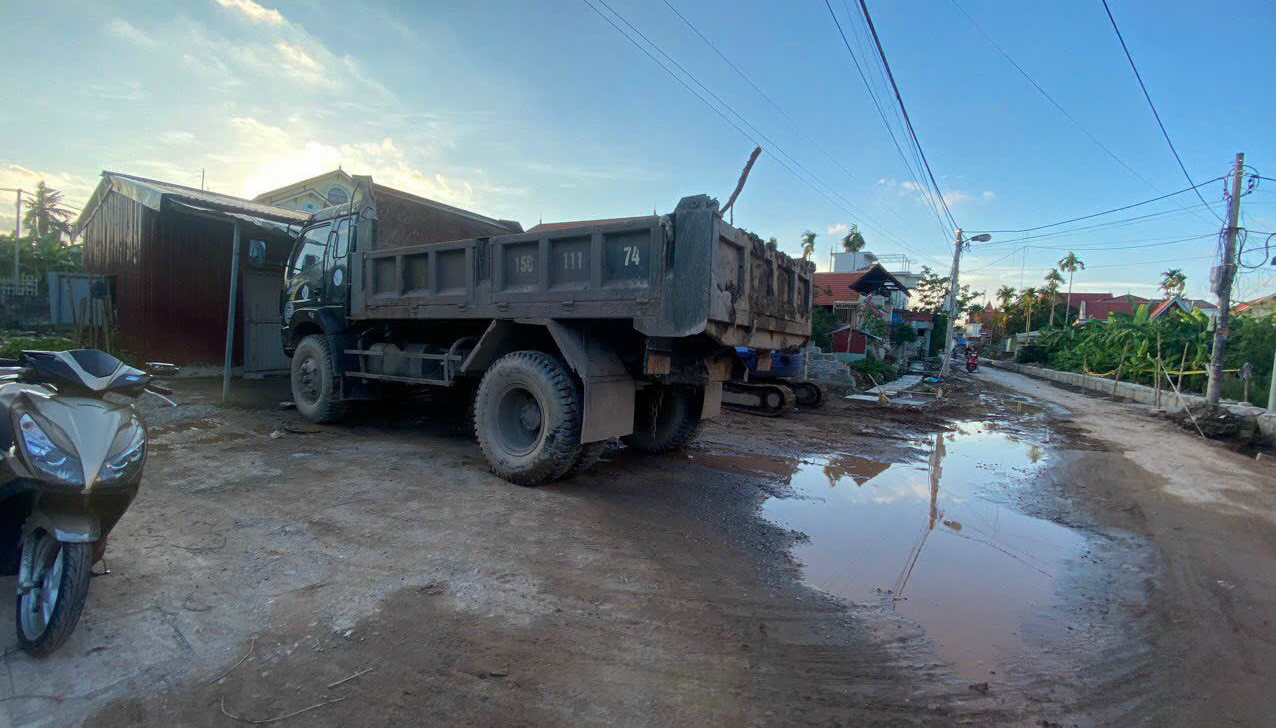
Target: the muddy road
pixel 1019 556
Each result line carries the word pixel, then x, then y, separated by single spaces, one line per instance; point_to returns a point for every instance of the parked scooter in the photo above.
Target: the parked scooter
pixel 972 361
pixel 71 461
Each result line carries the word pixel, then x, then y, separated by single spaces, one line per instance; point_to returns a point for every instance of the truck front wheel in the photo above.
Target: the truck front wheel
pixel 666 418
pixel 314 381
pixel 527 418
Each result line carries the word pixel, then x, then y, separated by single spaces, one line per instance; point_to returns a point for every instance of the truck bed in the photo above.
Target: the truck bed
pixel 682 274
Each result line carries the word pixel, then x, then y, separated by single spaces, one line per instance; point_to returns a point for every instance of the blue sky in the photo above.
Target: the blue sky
pixel 544 111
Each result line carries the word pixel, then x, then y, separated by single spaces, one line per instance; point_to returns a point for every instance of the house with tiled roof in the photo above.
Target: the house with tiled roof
pixel 1258 307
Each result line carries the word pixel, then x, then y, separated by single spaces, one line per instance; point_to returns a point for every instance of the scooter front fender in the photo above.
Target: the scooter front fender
pixel 65 526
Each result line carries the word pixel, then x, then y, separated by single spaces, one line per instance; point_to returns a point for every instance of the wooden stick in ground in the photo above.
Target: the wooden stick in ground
pixel 881 394
pixel 1157 375
pixel 1192 417
pixel 1121 366
pixel 332 685
pixel 278 718
pixel 251 648
pixel 1182 366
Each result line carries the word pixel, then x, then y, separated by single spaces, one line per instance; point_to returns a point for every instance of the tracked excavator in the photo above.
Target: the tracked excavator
pixel 765 383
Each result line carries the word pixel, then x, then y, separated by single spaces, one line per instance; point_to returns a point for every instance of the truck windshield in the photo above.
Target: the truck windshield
pixel 308 254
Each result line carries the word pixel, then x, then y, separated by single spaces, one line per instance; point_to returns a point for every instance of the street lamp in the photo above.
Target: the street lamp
pixel 946 365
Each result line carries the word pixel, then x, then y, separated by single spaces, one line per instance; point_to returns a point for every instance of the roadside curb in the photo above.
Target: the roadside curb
pixel 1141 394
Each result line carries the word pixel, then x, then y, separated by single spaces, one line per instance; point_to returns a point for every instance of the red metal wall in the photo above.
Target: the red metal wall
pixel 172 276
pixel 848 341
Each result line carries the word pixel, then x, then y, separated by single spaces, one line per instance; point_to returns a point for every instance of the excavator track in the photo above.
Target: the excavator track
pixel 809 394
pixel 768 400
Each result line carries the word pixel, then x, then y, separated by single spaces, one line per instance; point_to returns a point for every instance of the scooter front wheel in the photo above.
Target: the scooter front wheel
pixel 57 587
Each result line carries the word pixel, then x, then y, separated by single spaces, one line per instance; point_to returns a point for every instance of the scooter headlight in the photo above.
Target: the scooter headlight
pixel 45 456
pixel 126 452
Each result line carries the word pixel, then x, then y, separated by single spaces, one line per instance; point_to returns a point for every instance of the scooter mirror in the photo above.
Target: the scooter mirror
pixel 161 369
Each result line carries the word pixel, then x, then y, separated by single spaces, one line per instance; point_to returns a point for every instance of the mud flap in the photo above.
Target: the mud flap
pixel 609 390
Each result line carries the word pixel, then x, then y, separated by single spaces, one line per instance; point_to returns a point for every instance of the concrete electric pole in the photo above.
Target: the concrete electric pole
pixel 1226 271
pixel 17 233
pixel 946 365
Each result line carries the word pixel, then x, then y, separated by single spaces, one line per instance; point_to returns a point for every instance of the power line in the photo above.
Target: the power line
pixel 904 110
pixel 1158 261
pixel 792 122
pixel 720 113
pixel 1109 246
pixel 889 130
pixel 1152 106
pixel 1109 212
pixel 863 42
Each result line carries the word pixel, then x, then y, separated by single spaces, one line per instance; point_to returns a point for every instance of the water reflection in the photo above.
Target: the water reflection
pixel 924 538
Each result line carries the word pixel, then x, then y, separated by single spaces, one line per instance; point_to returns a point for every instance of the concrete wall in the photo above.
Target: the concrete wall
pixel 1140 393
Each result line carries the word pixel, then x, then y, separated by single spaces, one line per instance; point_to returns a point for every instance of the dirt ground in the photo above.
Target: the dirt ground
pixel 373 574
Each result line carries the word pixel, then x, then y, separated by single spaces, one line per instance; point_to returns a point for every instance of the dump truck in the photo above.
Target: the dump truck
pixel 555 340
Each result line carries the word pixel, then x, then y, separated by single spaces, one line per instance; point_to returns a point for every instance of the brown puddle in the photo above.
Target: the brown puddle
pixel 740 464
pixel 920 538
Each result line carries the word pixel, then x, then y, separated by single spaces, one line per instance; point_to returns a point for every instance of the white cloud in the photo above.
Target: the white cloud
pixel 129 33
pixel 264 157
pixel 915 191
pixel 118 90
pixel 295 60
pixel 76 188
pixel 838 230
pixel 629 173
pixel 177 138
pixel 254 12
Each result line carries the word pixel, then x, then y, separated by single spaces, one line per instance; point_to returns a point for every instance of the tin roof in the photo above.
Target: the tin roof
pixel 833 288
pixel 153 194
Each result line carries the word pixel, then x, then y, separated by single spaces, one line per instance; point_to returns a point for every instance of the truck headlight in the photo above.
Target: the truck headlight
pixel 126 452
pixel 47 457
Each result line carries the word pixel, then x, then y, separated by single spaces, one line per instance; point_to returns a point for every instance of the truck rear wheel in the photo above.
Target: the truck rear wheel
pixel 527 418
pixel 666 418
pixel 314 383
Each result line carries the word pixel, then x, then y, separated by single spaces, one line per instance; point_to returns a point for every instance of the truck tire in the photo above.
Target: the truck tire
pixel 527 418
pixel 315 388
pixel 666 418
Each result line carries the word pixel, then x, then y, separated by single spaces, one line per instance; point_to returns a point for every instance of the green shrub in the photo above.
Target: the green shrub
pixel 880 371
pixel 10 347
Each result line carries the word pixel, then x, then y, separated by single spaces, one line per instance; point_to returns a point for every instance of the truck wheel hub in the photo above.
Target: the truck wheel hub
pixel 519 419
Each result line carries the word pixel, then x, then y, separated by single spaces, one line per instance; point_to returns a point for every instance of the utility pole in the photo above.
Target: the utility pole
pixel 946 365
pixel 17 233
pixel 1226 272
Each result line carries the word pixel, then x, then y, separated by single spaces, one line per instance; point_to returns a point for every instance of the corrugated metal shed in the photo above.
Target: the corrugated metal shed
pixel 167 249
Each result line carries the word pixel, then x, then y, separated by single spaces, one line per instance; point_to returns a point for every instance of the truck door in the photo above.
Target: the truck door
pixel 336 270
pixel 305 279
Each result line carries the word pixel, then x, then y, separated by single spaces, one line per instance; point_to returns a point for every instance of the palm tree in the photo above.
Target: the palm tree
pixel 1053 279
pixel 45 216
pixel 808 244
pixel 853 242
pixel 1006 294
pixel 1028 296
pixel 1069 264
pixel 1173 281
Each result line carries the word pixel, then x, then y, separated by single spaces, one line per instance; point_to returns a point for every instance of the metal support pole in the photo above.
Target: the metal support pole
pixel 946 365
pixel 1226 271
pixel 1271 393
pixel 17 233
pixel 230 316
